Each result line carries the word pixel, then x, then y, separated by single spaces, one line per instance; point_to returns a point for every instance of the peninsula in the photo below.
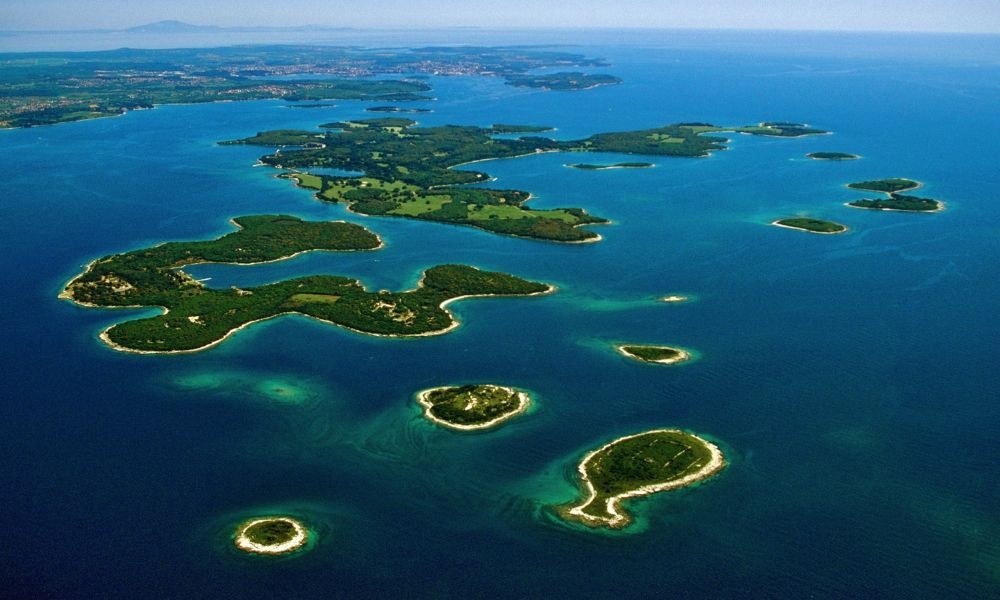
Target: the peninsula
pixel 472 407
pixel 832 156
pixel 895 201
pixel 784 129
pixel 409 171
pixel 662 355
pixel 564 82
pixel 810 225
pixel 196 317
pixel 639 465
pixel 271 535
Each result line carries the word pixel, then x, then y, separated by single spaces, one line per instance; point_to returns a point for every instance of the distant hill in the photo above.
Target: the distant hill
pixel 171 27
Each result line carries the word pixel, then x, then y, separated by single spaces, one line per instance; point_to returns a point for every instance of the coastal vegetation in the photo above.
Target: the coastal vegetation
pixel 664 355
pixel 409 171
pixel 811 225
pixel 639 465
pixel 271 535
pixel 472 407
pixel 832 156
pixel 196 317
pixel 623 165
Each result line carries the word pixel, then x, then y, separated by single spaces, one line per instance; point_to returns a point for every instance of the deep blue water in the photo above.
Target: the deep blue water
pixel 851 379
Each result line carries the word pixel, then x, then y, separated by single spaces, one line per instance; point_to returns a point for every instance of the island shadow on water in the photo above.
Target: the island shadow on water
pixel 275 388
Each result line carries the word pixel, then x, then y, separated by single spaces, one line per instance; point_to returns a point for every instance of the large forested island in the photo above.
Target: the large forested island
pixel 895 201
pixel 472 407
pixel 409 170
pixel 42 88
pixel 196 317
pixel 639 465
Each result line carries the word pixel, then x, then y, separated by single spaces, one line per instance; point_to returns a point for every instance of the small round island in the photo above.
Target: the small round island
pixel 660 355
pixel 472 407
pixel 271 535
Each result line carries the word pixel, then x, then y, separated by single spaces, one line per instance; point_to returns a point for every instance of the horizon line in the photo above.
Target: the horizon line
pixel 290 28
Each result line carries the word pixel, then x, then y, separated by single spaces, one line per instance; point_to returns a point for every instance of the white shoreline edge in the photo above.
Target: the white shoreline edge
pixel 683 356
pixel 524 401
pixel 247 545
pixel 618 519
pixel 845 229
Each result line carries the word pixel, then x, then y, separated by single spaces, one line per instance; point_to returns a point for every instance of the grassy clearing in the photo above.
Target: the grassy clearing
pixel 301 299
pixel 420 206
pixel 507 211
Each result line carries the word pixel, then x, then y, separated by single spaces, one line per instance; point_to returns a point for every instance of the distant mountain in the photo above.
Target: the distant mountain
pixel 171 27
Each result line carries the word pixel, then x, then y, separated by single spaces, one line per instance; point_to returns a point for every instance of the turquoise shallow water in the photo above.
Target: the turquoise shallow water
pixel 850 379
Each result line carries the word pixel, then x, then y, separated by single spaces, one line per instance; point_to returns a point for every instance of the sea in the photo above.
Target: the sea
pixel 851 380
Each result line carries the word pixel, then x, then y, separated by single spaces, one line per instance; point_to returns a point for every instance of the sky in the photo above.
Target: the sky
pixel 972 16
